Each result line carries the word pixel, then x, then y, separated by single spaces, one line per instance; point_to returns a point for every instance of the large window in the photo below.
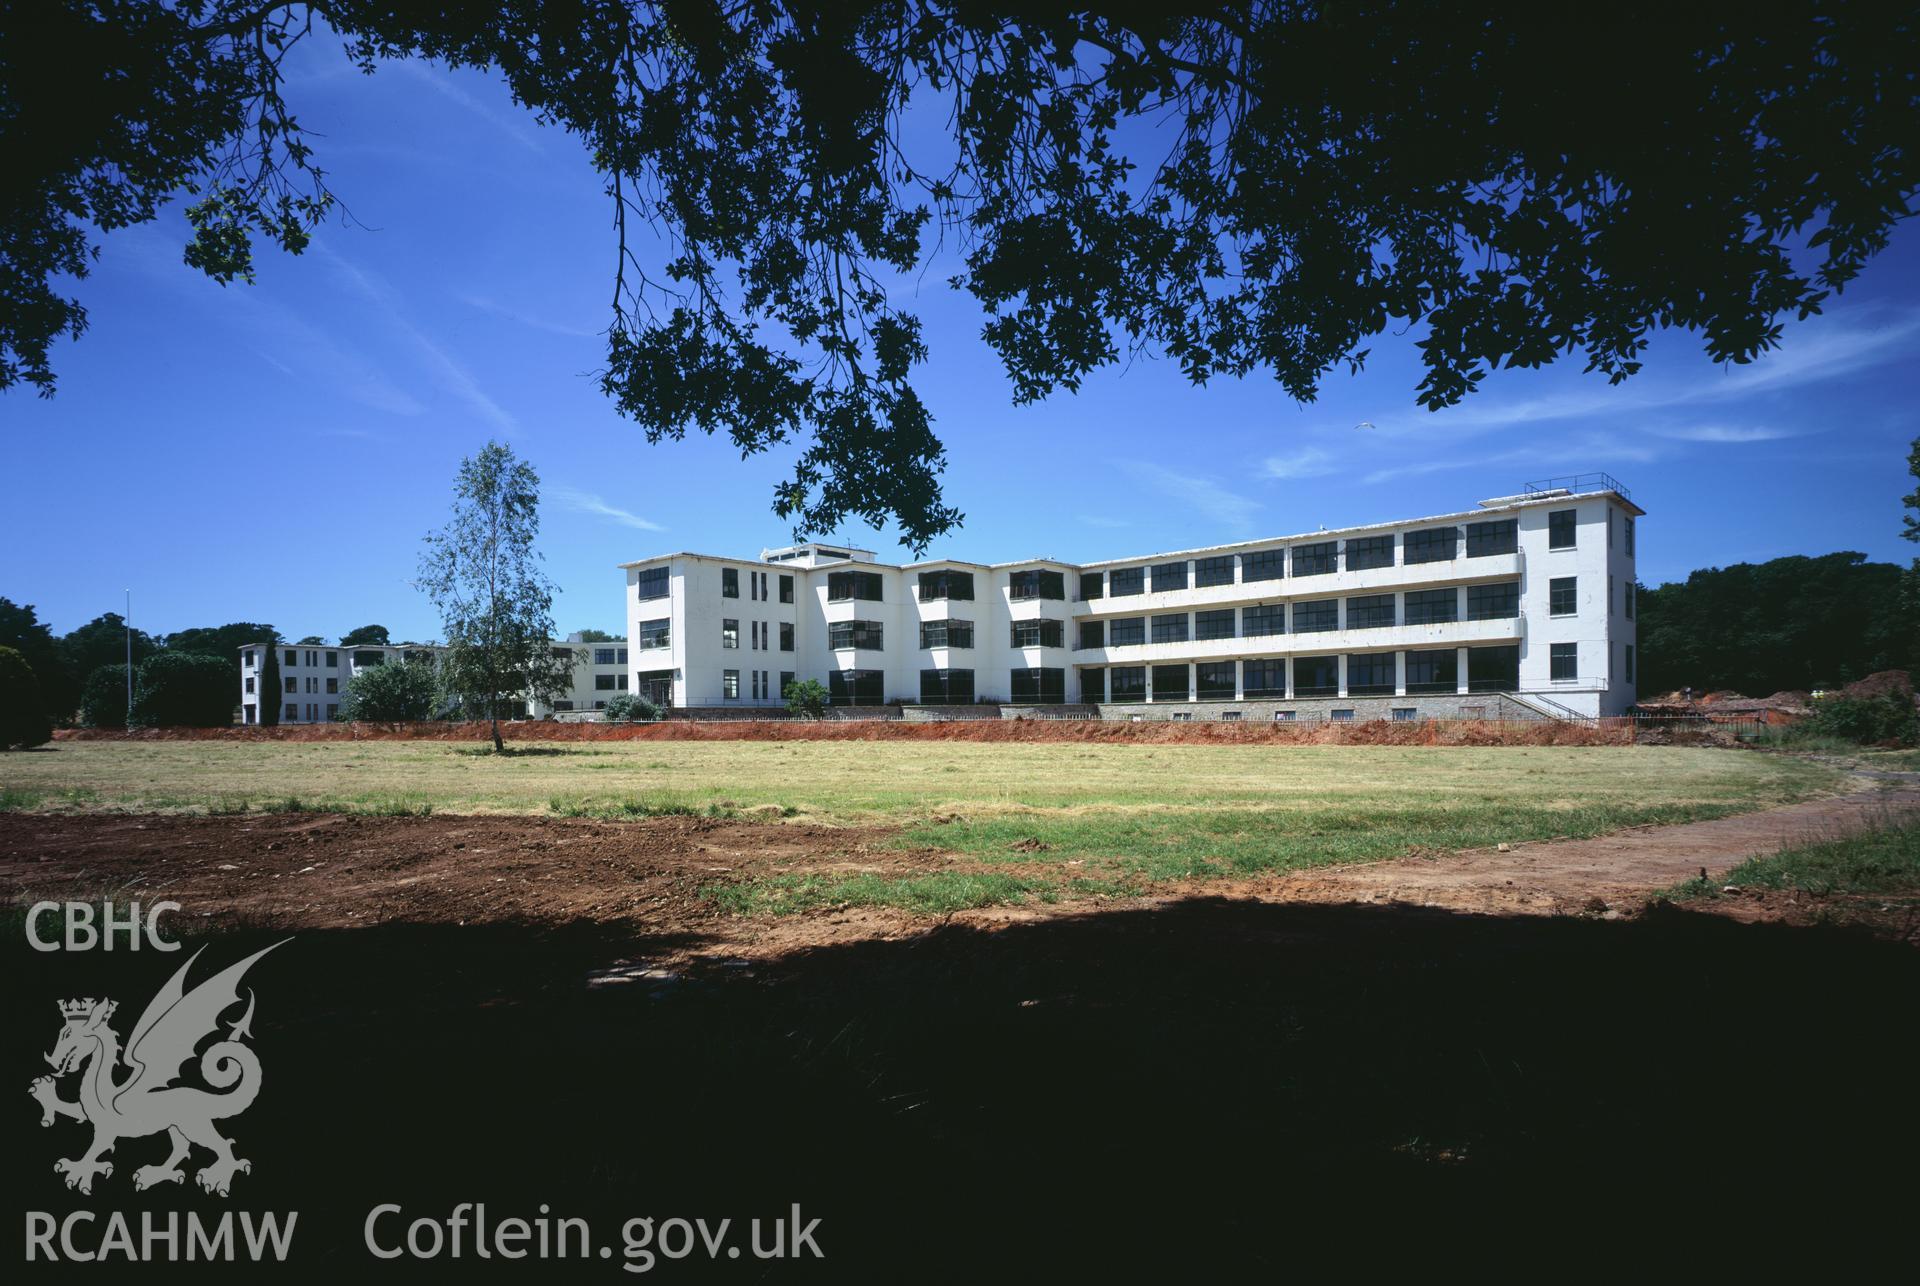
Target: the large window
pixel 1627 598
pixel 656 633
pixel 786 636
pixel 1629 535
pixel 1316 560
pixel 1560 528
pixel 1437 670
pixel 946 687
pixel 786 589
pixel 1213 625
pixel 1045 686
pixel 650 582
pixel 1169 576
pixel 1093 634
pixel 1370 612
pixel 1170 628
pixel 729 582
pixel 945 584
pixel 857 687
pixel 1092 585
pixel 1369 551
pixel 1563 597
pixel 1126 631
pixel 1486 538
pixel 1171 683
pixel 1564 658
pixel 1264 678
pixel 1316 617
pixel 1258 622
pixel 1628 659
pixel 1316 676
pixel 729 632
pixel 1038 633
pixel 1213 680
pixel 864 635
pixel 1493 669
pixel 1213 571
pixel 1123 581
pixel 730 685
pixel 842 586
pixel 1432 544
pixel 1263 564
pixel 1493 602
pixel 1093 686
pixel 1127 684
pixel 1370 674
pixel 1432 606
pixel 946 634
pixel 1036 583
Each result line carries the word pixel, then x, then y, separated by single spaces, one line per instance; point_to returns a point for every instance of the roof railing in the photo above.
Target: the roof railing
pixel 1578 483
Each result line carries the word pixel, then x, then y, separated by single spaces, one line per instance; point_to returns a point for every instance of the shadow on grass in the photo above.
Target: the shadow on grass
pixel 1197 1084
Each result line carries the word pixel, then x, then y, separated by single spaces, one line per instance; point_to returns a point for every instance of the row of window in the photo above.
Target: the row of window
pixel 759 634
pixel 1489 669
pixel 761 681
pixel 1500 601
pixel 757 584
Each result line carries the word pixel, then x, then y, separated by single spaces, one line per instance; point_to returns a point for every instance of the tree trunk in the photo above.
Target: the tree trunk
pixel 499 746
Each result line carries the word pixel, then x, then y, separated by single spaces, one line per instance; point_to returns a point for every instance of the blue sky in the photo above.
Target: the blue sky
pixel 276 452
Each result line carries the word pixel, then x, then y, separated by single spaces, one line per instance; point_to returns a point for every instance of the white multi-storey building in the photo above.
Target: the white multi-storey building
pixel 313 676
pixel 1521 606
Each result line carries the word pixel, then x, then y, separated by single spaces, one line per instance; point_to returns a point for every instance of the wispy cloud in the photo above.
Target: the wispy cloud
pixel 1559 454
pixel 1309 462
pixel 1724 433
pixel 1207 497
pixel 440 80
pixel 486 305
pixel 1100 520
pixel 587 502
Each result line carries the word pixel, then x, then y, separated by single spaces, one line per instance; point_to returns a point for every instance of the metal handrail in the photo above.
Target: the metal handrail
pixel 1578 483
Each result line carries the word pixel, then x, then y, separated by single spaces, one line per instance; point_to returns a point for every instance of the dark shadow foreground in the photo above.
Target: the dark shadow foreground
pixel 1209 1085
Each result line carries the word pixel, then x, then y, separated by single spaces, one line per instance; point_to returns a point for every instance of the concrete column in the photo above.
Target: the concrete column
pixel 1239 667
pixel 1460 663
pixel 1399 674
pixel 1341 661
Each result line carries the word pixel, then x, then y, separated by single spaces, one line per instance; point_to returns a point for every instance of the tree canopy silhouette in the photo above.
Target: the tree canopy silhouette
pixel 1247 187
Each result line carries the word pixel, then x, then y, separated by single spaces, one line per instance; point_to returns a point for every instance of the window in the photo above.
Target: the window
pixel 1264 564
pixel 1171 683
pixel 786 636
pixel 1127 684
pixel 1609 526
pixel 1093 634
pixel 730 685
pixel 786 589
pixel 1437 670
pixel 1316 676
pixel 604 682
pixel 1229 716
pixel 1369 551
pixel 1313 618
pixel 293 684
pixel 1405 714
pixel 650 582
pixel 842 586
pixel 1341 716
pixel 333 660
pixel 1432 606
pixel 656 633
pixel 1315 560
pixel 1092 586
pixel 246 658
pixel 1169 576
pixel 1213 625
pixel 946 687
pixel 1563 596
pixel 1370 612
pixel 857 687
pixel 730 584
pixel 1560 529
pixel 333 686
pixel 293 658
pixel 1123 581
pixel 945 584
pixel 369 658
pixel 1370 674
pixel 1629 535
pixel 558 706
pixel 603 656
pixel 249 686
pixel 1036 633
pixel 1493 602
pixel 563 654
pixel 863 635
pixel 1432 544
pixel 1487 538
pixel 293 711
pixel 1036 583
pixel 1170 627
pixel 1284 716
pixel 1626 597
pixel 313 658
pixel 1214 680
pixel 1213 571
pixel 786 681
pixel 1564 659
pixel 1093 686
pixel 1046 686
pixel 1183 716
pixel 946 634
pixel 1493 669
pixel 1127 631
pixel 1257 622
pixel 729 633
pixel 1266 678
pixel 755 675
pixel 1629 663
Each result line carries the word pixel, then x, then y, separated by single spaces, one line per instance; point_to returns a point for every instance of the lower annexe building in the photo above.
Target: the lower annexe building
pixel 1524 604
pixel 313 677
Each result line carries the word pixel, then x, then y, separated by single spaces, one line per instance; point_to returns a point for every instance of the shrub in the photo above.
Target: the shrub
pixel 23 711
pixel 103 699
pixel 1886 718
pixel 181 690
pixel 806 698
pixel 397 692
pixel 629 706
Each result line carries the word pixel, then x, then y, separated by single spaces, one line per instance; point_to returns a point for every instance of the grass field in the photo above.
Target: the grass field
pixel 1043 820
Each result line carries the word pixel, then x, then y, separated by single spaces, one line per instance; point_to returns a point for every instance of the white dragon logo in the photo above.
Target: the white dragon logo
pixel 147 1102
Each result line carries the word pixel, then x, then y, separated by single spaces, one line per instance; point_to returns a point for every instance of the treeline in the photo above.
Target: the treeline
pixel 1791 624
